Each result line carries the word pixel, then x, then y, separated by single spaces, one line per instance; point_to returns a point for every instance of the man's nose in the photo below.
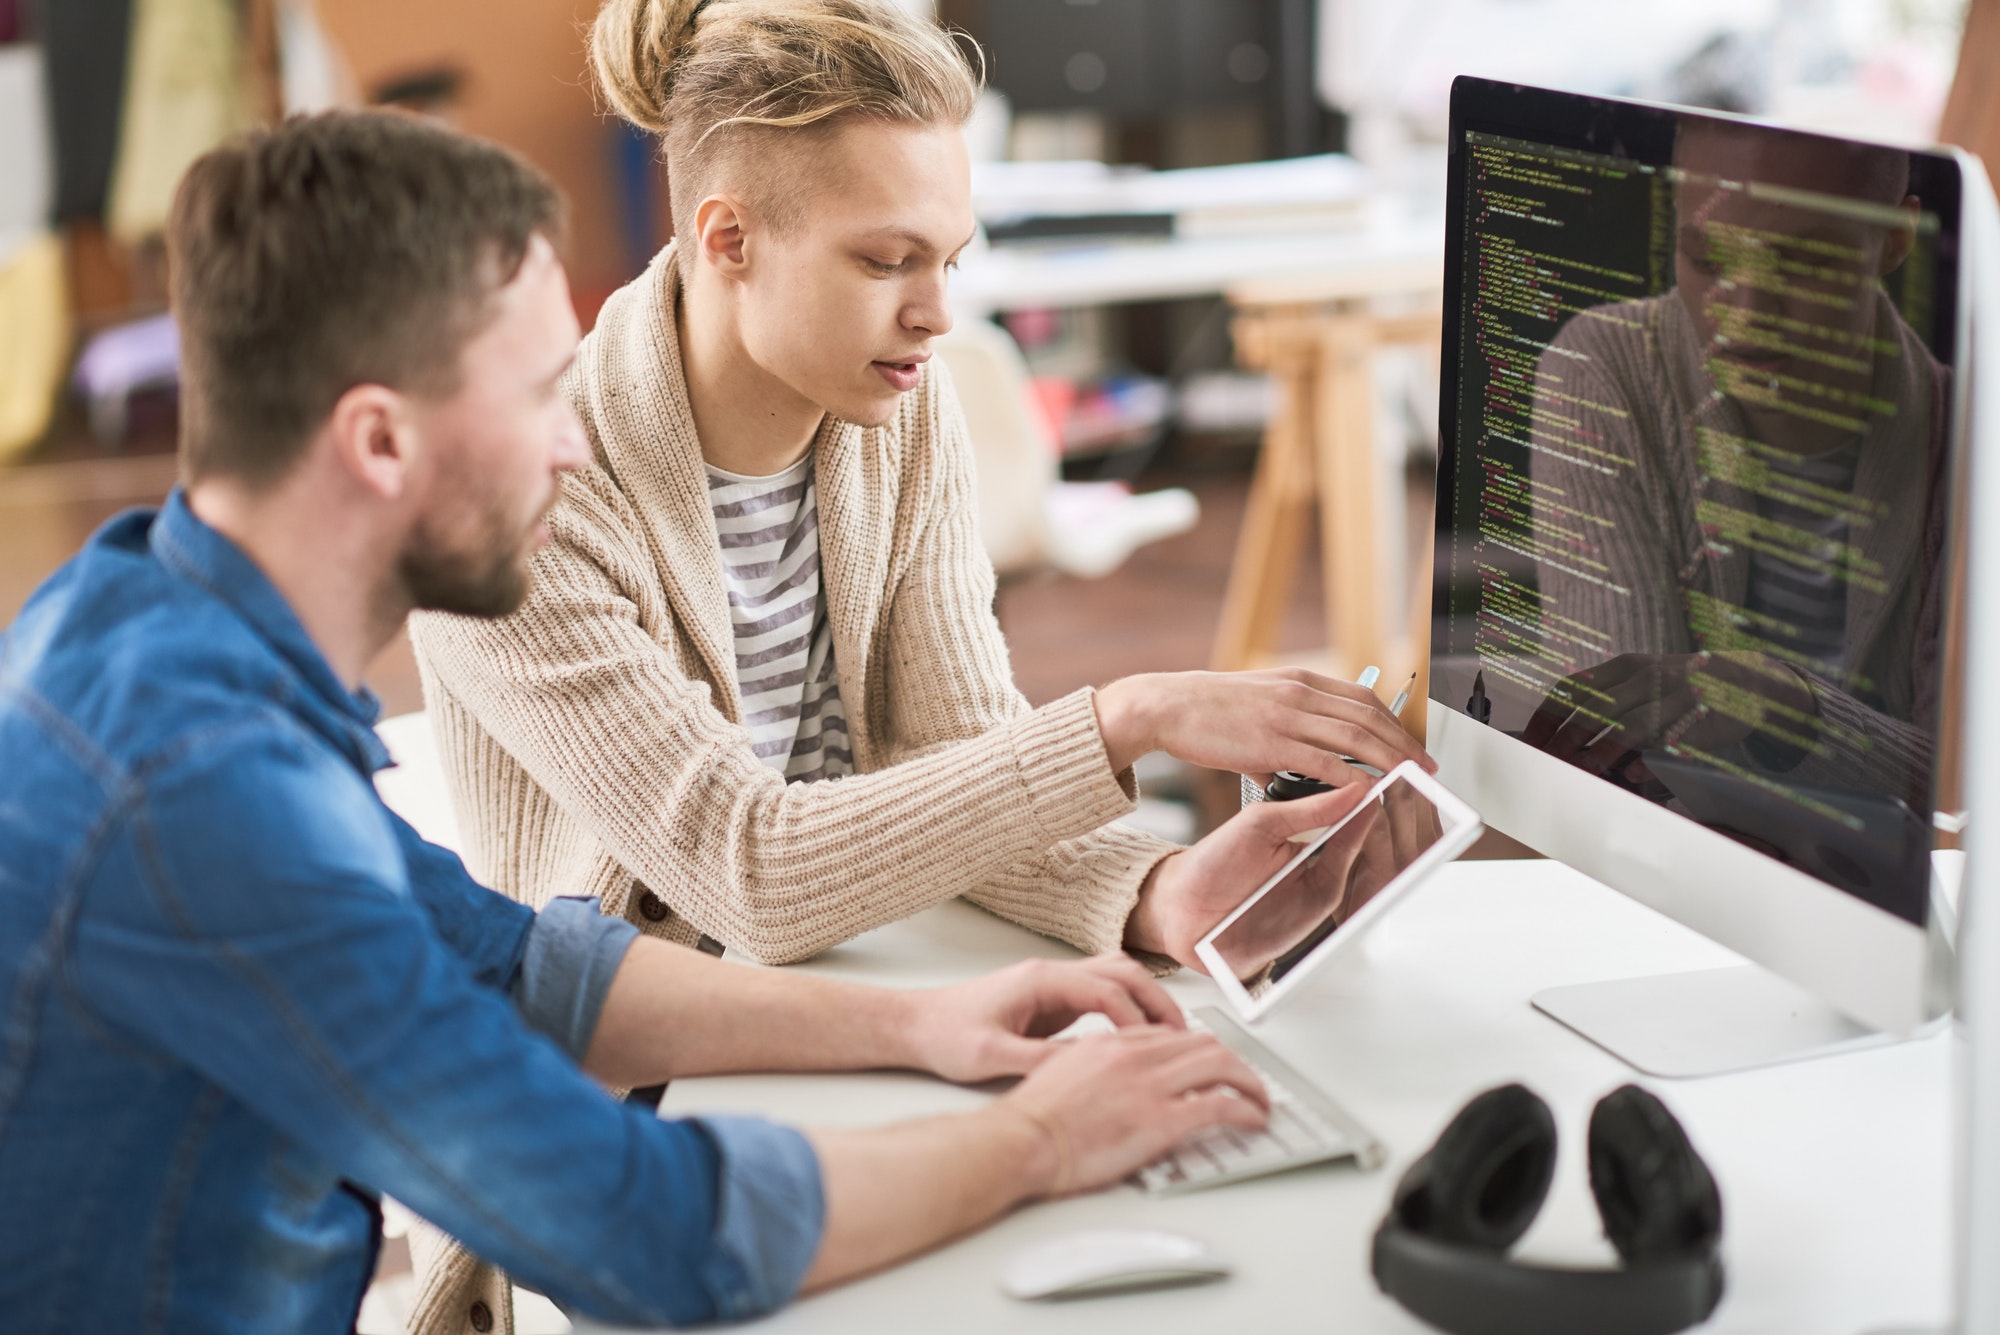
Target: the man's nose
pixel 932 314
pixel 572 448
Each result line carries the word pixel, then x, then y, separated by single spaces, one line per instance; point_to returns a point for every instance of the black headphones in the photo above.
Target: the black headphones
pixel 1442 1250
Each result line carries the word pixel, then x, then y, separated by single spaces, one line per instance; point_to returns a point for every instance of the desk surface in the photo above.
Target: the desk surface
pixel 1835 1173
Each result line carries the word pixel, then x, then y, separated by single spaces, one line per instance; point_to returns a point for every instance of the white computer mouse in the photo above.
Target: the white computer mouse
pixel 1104 1260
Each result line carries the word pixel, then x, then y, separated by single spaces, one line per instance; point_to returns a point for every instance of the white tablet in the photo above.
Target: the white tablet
pixel 1407 827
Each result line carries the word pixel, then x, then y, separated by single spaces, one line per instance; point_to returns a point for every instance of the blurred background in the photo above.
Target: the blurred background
pixel 1197 338
pixel 1187 206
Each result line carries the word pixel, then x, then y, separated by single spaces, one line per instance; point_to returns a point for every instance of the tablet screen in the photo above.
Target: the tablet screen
pixel 1339 874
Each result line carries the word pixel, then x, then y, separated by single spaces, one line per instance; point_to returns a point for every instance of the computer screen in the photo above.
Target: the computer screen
pixel 1694 503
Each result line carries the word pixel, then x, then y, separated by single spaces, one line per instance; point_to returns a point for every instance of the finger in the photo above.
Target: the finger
pixel 1404 808
pixel 1640 723
pixel 1327 768
pixel 1365 731
pixel 1141 1048
pixel 1078 991
pixel 1605 749
pixel 1325 685
pixel 1617 744
pixel 1207 1064
pixel 1583 696
pixel 1549 715
pixel 1610 673
pixel 1333 754
pixel 1141 986
pixel 1634 695
pixel 1016 1054
pixel 1367 884
pixel 1560 705
pixel 1281 820
pixel 1196 1113
pixel 1355 706
pixel 1588 726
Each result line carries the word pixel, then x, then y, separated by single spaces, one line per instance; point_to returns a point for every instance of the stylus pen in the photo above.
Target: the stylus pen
pixel 1369 675
pixel 1402 696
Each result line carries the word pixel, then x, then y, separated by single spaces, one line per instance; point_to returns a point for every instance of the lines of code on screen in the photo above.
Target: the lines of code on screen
pixel 1549 233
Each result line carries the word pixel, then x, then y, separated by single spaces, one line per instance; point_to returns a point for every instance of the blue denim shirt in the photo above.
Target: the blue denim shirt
pixel 239 999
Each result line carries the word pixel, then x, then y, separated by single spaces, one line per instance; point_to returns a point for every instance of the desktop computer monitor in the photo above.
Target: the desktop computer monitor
pixel 1694 545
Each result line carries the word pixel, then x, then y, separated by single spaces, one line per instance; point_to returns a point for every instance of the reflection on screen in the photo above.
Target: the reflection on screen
pixel 1695 488
pixel 1353 863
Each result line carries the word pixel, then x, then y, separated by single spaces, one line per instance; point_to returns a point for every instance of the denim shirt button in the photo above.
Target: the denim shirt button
pixel 482 1316
pixel 651 907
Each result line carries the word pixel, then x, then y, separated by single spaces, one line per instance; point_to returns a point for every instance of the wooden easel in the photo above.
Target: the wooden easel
pixel 1317 336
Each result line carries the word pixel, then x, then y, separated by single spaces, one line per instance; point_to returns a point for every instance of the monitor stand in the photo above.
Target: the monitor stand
pixel 1708 1022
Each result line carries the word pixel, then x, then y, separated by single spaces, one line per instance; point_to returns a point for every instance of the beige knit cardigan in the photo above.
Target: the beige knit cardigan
pixel 593 744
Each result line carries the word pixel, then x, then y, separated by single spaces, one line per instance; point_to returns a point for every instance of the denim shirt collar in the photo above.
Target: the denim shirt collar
pixel 193 551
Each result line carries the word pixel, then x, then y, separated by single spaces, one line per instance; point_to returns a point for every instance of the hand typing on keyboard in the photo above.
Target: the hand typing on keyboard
pixel 1304 1127
pixel 997 1025
pixel 1108 1103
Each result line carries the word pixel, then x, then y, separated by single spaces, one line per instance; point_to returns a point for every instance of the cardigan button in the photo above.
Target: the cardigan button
pixel 482 1316
pixel 651 907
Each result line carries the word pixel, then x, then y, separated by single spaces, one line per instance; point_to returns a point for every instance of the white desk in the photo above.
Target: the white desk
pixel 1834 1174
pixel 1396 250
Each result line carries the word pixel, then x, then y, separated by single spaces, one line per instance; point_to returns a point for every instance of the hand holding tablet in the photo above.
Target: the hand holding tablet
pixel 1406 827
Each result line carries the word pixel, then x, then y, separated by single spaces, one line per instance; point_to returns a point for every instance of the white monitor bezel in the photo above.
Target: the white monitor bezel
pixel 1793 924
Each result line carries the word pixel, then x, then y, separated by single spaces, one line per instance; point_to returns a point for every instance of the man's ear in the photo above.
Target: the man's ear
pixel 722 226
pixel 374 440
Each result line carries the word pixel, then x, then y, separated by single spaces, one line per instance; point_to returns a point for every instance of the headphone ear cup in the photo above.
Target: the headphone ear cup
pixel 1656 1196
pixel 1483 1182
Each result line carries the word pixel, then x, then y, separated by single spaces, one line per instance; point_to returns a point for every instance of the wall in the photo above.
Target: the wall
pixel 1972 112
pixel 526 86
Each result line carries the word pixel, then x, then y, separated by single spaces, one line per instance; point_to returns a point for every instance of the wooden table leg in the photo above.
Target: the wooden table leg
pixel 1268 547
pixel 1345 440
pixel 1320 450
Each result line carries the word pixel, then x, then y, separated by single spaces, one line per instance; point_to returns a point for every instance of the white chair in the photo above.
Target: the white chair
pixel 415 788
pixel 1028 516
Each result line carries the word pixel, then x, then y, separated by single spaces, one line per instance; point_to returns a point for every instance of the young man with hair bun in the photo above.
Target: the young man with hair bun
pixel 768 574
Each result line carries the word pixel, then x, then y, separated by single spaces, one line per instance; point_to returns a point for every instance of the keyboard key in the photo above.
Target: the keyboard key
pixel 1297 1133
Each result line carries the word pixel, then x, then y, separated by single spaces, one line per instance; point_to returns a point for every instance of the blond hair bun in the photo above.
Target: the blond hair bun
pixel 633 47
pixel 710 75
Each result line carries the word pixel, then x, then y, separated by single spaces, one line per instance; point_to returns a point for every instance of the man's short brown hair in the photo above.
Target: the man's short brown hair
pixel 343 249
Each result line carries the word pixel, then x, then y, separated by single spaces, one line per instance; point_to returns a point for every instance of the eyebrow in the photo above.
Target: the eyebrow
pixel 917 240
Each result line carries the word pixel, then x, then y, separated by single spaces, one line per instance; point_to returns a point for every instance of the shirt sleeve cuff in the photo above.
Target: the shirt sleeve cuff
pixel 573 952
pixel 770 1211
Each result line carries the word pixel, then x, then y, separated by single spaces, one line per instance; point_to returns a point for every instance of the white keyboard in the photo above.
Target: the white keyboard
pixel 1306 1126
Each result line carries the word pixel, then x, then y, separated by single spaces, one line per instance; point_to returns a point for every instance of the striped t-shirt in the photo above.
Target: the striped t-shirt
pixel 769 528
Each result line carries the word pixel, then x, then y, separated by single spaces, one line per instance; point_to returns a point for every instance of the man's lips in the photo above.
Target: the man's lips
pixel 902 375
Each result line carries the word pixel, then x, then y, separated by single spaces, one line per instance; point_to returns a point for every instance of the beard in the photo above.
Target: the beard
pixel 483 573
